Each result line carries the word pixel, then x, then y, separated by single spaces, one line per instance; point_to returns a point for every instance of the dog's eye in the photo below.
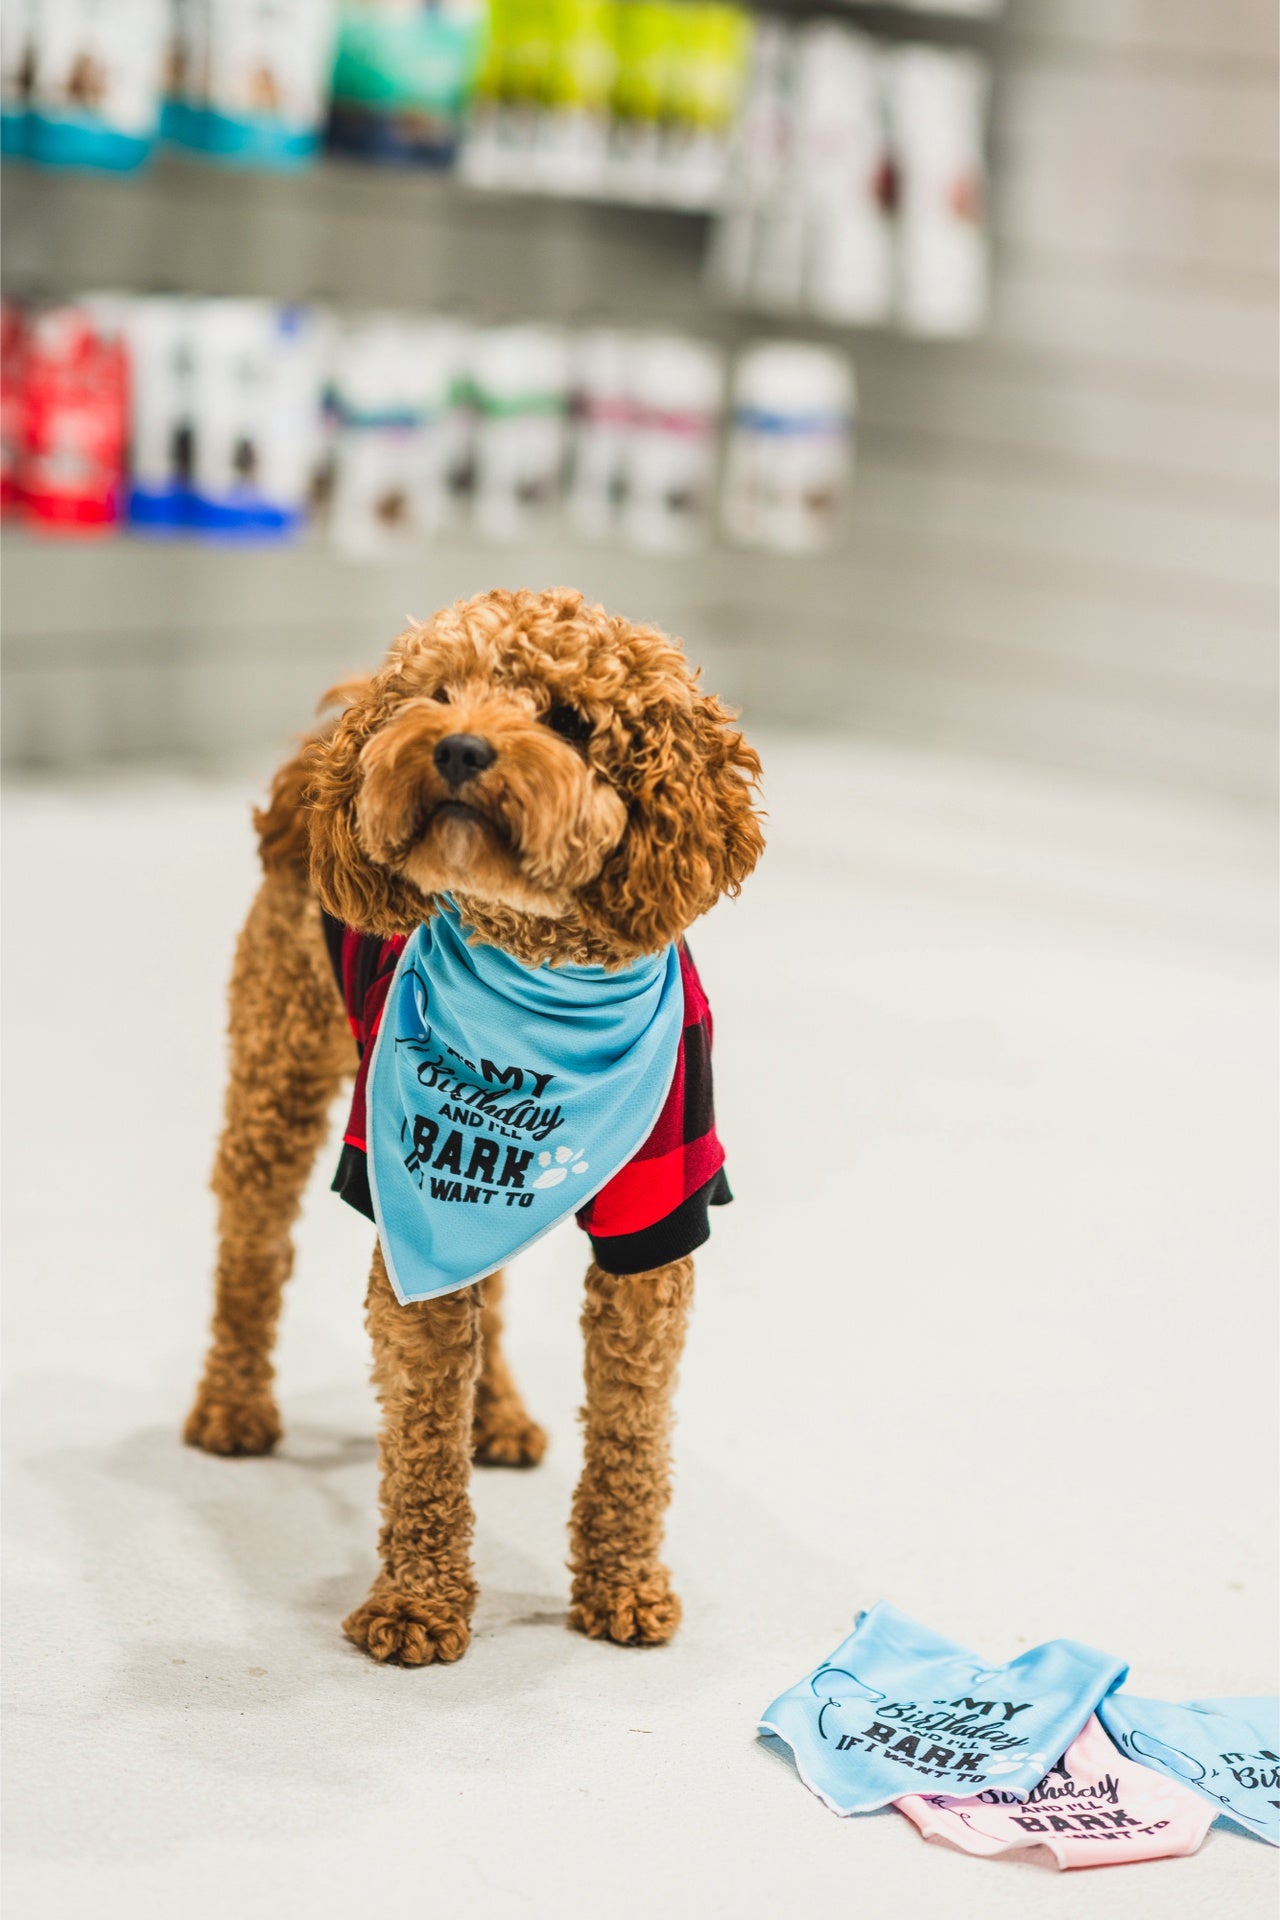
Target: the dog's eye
pixel 441 696
pixel 569 724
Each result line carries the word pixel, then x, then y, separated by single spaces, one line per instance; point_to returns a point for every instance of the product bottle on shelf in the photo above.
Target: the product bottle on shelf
pixel 600 434
pixel 396 450
pixel 790 447
pixel 17 65
pixel 573 131
pixel 842 175
pixel 938 103
pixel 249 79
pixel 710 49
pixel 13 385
pixel 676 386
pixel 640 93
pixel 521 378
pixel 96 68
pixel 756 163
pixel 257 373
pixel 779 237
pixel 159 333
pixel 74 422
pixel 403 76
pixel 504 137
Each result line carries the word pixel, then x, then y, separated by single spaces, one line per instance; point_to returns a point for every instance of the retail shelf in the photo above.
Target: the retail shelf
pixel 120 589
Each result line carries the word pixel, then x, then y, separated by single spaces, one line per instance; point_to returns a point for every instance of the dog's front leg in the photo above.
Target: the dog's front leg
pixel 289 1049
pixel 425 1359
pixel 634 1326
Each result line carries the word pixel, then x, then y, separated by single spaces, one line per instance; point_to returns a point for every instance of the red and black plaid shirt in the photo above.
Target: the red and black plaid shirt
pixel 655 1208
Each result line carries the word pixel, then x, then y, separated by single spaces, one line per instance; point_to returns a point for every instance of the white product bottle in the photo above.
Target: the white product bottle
pixel 159 334
pixel 676 388
pixel 842 175
pixel 600 433
pixel 520 380
pixel 17 61
pixel 938 102
pixel 256 375
pixel 269 64
pixel 756 173
pixel 457 422
pixel 392 393
pixel 98 70
pixel 790 446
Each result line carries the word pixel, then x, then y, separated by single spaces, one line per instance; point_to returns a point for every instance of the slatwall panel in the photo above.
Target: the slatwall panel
pixel 1062 542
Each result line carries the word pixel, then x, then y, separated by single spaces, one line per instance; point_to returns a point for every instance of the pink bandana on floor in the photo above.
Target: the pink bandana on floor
pixel 1095 1808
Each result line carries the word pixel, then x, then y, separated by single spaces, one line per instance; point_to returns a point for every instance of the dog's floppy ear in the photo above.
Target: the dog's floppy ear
pixel 351 886
pixel 693 831
pixel 284 837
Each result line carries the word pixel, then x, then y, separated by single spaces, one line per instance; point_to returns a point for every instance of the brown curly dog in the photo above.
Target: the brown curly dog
pixel 611 806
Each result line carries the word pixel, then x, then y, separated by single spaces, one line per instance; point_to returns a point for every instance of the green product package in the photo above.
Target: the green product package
pixel 583 54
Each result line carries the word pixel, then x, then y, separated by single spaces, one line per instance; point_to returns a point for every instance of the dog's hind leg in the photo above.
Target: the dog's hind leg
pixel 634 1325
pixel 425 1360
pixel 289 1050
pixel 502 1433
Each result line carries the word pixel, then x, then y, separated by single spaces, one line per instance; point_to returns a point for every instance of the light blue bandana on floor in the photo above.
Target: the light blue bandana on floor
pixel 501 1097
pixel 1228 1750
pixel 898 1709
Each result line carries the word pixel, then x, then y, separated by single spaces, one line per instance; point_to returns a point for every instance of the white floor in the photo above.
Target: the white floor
pixel 989 1332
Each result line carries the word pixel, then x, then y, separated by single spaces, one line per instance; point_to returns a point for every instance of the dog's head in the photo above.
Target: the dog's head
pixel 555 768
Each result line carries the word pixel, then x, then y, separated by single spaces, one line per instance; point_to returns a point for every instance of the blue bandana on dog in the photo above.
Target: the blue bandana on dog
pixel 501 1097
pixel 898 1710
pixel 1227 1750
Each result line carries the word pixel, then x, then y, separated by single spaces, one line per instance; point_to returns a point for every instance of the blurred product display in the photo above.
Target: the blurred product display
pixel 847 173
pixel 252 419
pixel 856 188
pixel 612 99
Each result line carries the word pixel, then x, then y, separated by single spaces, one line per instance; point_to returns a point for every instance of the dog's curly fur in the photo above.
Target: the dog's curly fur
pixel 618 806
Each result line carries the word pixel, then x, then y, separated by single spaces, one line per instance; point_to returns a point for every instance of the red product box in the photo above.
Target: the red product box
pixel 13 339
pixel 74 424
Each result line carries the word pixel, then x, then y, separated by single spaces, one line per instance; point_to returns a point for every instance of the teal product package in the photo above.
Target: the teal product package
pixel 899 1709
pixel 403 76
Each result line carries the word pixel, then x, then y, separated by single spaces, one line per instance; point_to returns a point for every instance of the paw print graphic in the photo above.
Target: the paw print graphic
pixel 567 1160
pixel 1011 1765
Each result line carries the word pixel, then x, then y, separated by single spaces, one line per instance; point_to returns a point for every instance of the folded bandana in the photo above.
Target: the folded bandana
pixel 501 1097
pixel 1094 1808
pixel 898 1708
pixel 1226 1750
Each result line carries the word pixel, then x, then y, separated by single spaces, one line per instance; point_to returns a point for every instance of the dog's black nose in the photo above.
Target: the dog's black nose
pixel 460 756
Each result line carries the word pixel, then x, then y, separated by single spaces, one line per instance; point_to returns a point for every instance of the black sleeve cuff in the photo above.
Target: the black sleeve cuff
pixel 679 1234
pixel 352 1180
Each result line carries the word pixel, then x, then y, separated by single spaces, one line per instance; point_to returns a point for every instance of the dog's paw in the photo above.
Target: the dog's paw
pixel 507 1437
pixel 406 1631
pixel 635 1613
pixel 229 1426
